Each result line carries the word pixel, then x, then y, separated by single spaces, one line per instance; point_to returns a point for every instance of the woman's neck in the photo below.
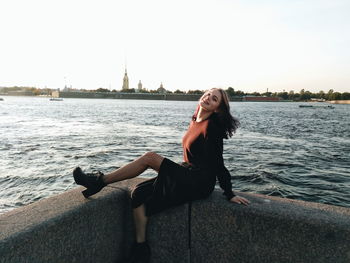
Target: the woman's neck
pixel 203 114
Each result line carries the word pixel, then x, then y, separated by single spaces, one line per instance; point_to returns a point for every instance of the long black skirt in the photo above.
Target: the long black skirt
pixel 176 184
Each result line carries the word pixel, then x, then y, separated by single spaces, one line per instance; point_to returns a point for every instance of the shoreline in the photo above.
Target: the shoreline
pixel 159 96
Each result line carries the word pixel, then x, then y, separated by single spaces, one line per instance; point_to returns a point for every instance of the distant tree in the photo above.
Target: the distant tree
pixel 178 92
pixel 321 95
pixel 291 94
pixel 305 95
pixel 129 90
pixel 230 91
pixel 239 93
pixel 345 96
pixel 283 95
pixel 329 94
pixel 296 96
pixel 336 96
pixel 267 94
pixel 256 93
pixel 143 90
pixel 195 92
pixel 102 90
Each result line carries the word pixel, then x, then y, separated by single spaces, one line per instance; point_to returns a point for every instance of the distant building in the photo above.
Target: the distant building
pixel 68 89
pixel 161 89
pixel 317 100
pixel 125 81
pixel 55 93
pixel 139 86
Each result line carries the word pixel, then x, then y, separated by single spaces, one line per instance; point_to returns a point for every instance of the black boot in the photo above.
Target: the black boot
pixel 92 181
pixel 140 253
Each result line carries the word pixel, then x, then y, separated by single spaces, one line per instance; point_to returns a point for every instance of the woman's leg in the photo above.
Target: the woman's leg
pixel 135 168
pixel 140 252
pixel 140 219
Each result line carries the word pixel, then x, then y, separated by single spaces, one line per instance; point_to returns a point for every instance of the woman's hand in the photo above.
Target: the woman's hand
pixel 239 200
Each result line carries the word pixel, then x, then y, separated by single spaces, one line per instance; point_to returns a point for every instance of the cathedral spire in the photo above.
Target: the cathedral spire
pixel 125 80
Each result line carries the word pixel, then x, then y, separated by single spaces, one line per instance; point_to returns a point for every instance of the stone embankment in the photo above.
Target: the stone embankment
pixel 69 228
pixel 132 96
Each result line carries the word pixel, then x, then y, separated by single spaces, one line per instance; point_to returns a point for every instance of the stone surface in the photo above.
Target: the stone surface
pixel 70 228
pixel 268 230
pixel 66 228
pixel 168 235
pixel 167 232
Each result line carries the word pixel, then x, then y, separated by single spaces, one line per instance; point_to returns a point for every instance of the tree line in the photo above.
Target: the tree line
pixel 303 95
pixel 295 96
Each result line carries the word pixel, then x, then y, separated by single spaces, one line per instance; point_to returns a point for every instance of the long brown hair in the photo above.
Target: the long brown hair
pixel 227 121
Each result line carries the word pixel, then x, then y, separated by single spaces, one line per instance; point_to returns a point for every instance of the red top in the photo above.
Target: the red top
pixel 195 133
pixel 203 148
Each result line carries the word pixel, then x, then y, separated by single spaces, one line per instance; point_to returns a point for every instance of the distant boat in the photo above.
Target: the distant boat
pixel 305 106
pixel 316 106
pixel 56 99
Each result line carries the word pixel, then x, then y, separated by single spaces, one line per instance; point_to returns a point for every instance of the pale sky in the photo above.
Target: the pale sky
pixel 250 45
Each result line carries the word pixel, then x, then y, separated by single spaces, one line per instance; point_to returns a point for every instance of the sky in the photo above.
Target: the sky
pixel 250 45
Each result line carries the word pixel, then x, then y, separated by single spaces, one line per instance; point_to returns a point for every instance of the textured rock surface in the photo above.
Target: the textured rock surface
pixel 167 232
pixel 70 228
pixel 66 228
pixel 269 230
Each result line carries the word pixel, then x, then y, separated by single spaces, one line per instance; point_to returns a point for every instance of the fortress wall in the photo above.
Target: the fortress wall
pixel 70 228
pixel 132 96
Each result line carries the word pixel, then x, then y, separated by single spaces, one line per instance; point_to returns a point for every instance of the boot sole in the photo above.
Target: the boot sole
pixel 88 192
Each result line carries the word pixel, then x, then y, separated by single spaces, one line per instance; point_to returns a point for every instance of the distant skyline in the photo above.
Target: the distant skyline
pixel 187 45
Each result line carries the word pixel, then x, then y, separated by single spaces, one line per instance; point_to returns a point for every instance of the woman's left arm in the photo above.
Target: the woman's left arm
pixel 215 150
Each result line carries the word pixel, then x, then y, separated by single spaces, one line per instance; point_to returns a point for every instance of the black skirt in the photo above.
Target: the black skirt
pixel 175 184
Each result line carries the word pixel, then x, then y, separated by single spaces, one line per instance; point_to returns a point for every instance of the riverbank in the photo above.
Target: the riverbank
pixel 157 96
pixel 147 96
pixel 339 101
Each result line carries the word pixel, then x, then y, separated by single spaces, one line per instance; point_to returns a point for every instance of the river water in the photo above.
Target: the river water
pixel 280 149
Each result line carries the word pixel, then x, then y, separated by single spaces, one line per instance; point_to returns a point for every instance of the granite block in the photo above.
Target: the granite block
pixel 70 228
pixel 167 232
pixel 66 228
pixel 270 229
pixel 168 235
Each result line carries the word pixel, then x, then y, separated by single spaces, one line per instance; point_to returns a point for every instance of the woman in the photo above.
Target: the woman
pixel 177 184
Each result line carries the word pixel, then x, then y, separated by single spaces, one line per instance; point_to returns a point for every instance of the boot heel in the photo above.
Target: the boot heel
pixel 93 182
pixel 88 192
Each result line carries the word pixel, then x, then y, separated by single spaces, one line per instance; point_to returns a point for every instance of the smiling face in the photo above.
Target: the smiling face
pixel 211 99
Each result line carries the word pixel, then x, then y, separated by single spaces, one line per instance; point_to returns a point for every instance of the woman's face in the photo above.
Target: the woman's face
pixel 211 99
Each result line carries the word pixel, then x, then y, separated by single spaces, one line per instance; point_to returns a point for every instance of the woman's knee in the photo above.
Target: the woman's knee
pixel 149 157
pixel 152 159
